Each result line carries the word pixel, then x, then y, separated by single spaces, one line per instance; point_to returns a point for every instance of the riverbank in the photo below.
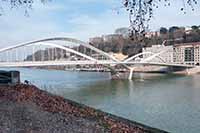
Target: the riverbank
pixel 26 108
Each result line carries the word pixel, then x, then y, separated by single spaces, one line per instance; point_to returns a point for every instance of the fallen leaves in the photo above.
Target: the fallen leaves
pixel 57 104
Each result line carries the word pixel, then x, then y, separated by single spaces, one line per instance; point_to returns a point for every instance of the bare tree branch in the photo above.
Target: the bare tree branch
pixel 141 12
pixel 25 4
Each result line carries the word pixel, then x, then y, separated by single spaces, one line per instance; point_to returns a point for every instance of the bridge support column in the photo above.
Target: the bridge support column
pixel 187 71
pixel 131 74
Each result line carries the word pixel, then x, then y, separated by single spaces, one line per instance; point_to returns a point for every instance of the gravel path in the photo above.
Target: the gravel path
pixel 27 117
pixel 27 109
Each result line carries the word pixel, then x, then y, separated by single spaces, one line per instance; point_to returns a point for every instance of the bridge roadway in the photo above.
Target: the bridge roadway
pixel 71 63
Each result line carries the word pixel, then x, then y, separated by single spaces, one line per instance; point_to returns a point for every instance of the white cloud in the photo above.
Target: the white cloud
pixel 16 28
pixel 87 26
pixel 57 19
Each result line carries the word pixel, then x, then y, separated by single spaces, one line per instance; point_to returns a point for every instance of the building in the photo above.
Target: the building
pixel 187 53
pixel 152 34
pixel 188 30
pixel 118 56
pixel 166 57
pixel 95 40
pixel 111 37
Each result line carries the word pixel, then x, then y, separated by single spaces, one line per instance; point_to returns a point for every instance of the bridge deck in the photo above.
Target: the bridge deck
pixel 71 63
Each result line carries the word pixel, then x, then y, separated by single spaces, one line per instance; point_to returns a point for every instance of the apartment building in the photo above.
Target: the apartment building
pixel 187 53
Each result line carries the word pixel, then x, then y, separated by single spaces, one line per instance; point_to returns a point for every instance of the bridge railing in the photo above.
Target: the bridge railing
pixel 55 50
pixel 66 51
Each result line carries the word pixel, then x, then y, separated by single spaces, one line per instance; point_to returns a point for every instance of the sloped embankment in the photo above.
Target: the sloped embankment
pixel 26 108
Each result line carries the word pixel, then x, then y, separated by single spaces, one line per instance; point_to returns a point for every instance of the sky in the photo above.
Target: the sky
pixel 81 19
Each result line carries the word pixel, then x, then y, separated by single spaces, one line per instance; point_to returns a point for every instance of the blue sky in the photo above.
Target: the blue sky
pixel 82 19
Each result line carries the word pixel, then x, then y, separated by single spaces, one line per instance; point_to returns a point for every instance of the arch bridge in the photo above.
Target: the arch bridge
pixel 63 51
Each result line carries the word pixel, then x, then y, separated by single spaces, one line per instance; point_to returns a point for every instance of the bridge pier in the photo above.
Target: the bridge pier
pixel 131 74
pixel 120 75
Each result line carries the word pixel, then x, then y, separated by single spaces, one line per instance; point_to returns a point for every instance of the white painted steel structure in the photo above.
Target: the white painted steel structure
pixel 47 51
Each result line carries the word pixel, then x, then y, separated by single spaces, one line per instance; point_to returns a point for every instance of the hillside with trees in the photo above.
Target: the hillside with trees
pixel 119 42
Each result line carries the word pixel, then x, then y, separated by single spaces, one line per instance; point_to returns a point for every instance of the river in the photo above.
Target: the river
pixel 167 102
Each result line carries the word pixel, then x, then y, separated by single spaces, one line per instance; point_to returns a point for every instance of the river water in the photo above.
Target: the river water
pixel 168 102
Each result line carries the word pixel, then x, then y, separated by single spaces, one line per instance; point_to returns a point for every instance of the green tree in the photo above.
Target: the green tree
pixel 194 27
pixel 163 30
pixel 173 29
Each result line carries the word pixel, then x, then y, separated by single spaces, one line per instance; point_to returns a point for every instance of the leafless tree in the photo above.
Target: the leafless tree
pixel 142 11
pixel 25 4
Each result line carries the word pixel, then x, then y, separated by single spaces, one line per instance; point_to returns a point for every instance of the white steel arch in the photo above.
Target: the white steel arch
pixel 65 48
pixel 157 55
pixel 144 53
pixel 72 40
pixel 66 39
pixel 111 60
